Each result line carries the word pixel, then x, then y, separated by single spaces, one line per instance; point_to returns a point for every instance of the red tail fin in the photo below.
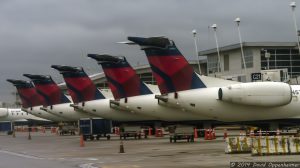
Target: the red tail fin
pixel 48 89
pixel 80 86
pixel 171 70
pixel 121 77
pixel 28 94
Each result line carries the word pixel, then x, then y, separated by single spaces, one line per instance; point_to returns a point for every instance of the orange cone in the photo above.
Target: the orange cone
pixel 205 134
pixel 81 141
pixel 213 134
pixel 149 131
pixel 209 134
pixel 121 147
pixel 195 133
pixel 117 130
pixel 225 133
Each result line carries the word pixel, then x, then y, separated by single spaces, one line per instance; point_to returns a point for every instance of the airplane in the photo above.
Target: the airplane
pixel 31 100
pixel 134 94
pixel 15 114
pixel 87 97
pixel 222 101
pixel 57 101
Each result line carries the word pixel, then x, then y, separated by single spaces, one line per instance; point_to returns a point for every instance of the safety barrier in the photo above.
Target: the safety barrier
pixel 33 129
pixel 238 145
pixel 270 145
pixel 294 145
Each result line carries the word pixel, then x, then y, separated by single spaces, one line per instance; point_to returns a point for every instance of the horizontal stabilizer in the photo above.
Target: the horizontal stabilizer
pixel 20 83
pixel 63 68
pixel 160 42
pixel 105 58
pixel 37 77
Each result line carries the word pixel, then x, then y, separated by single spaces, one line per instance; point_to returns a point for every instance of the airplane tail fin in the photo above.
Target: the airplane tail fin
pixel 122 78
pixel 171 70
pixel 27 93
pixel 80 86
pixel 46 87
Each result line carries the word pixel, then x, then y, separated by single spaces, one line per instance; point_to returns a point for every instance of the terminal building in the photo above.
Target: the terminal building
pixel 260 57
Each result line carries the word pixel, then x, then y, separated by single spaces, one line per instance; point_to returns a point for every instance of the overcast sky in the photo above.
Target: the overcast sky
pixel 35 34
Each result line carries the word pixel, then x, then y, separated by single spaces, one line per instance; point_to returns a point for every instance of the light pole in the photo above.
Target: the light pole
pixel 238 21
pixel 196 49
pixel 214 26
pixel 293 6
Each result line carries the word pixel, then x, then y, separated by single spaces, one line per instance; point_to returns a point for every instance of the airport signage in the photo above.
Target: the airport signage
pixel 256 76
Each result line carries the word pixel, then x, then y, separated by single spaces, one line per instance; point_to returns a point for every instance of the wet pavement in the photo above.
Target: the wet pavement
pixel 49 151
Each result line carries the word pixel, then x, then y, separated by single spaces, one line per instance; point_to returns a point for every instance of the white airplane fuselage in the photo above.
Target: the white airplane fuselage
pixel 103 109
pixel 148 105
pixel 7 114
pixel 67 113
pixel 36 111
pixel 205 101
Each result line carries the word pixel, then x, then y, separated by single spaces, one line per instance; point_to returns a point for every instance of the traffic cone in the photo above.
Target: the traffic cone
pixel 225 133
pixel 14 134
pixel 81 141
pixel 195 134
pixel 121 147
pixel 213 134
pixel 149 131
pixel 209 134
pixel 205 134
pixel 117 130
pixel 29 135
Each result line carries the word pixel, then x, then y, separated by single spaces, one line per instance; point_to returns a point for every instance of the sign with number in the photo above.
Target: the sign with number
pixel 256 76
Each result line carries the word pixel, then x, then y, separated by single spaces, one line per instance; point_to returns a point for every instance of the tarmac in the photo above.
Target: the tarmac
pixel 46 150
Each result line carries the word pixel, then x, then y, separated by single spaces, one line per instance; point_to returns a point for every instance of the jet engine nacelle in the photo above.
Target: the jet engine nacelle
pixel 266 94
pixel 3 112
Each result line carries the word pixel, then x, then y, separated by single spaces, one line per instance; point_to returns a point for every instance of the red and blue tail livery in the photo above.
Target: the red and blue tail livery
pixel 80 86
pixel 28 93
pixel 121 77
pixel 46 87
pixel 171 70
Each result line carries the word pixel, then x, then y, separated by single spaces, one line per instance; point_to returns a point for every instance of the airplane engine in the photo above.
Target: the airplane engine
pixel 266 94
pixel 3 112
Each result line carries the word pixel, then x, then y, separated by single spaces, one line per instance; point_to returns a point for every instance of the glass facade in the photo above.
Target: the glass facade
pixel 212 64
pixel 248 54
pixel 282 58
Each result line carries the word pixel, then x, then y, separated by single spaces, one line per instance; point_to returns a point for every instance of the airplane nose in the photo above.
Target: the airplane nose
pixel 3 112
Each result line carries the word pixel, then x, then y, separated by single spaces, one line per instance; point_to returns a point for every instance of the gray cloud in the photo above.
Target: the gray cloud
pixel 35 34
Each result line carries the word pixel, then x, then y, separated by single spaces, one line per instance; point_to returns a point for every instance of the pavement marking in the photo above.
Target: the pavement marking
pixel 87 165
pixel 20 155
